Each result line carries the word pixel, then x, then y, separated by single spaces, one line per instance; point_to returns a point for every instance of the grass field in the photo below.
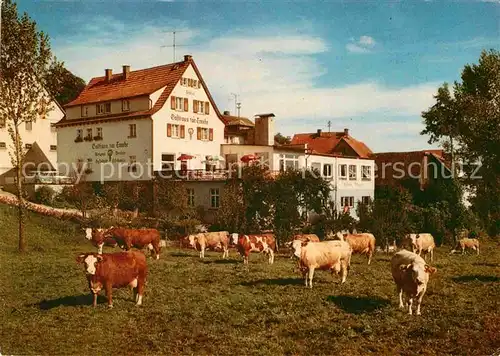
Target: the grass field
pixel 217 307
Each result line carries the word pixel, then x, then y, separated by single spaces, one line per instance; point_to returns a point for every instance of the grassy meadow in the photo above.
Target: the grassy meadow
pixel 216 306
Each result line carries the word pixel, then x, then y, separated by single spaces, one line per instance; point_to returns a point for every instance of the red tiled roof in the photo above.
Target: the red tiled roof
pixel 327 141
pixel 139 82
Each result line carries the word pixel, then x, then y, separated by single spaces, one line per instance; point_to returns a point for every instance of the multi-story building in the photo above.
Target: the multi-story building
pixel 39 139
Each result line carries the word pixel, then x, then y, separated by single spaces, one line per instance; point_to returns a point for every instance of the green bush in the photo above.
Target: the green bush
pixel 44 195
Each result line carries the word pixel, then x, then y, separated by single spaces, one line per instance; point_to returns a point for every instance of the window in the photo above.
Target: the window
pixel 85 111
pixel 289 162
pixel 366 172
pixel 201 107
pixel 316 166
pixel 29 125
pixel 125 105
pixel 27 146
pixel 214 198
pixel 88 168
pixel 190 197
pixel 132 131
pixel 205 134
pixel 132 167
pixel 167 162
pixel 352 172
pixel 343 171
pixel 176 131
pixel 366 199
pixel 53 147
pixel 103 108
pixel 99 134
pixel 327 170
pixel 2 122
pixel 79 133
pixel 347 201
pixel 179 104
pixel 3 145
pixel 89 137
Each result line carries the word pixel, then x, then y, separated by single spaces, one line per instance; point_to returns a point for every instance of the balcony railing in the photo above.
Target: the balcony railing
pixel 194 174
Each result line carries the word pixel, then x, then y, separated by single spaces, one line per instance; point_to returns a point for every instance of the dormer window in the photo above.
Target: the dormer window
pixel 125 105
pixel 103 108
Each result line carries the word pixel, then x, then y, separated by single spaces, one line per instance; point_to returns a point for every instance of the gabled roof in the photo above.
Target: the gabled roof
pixel 326 142
pixel 237 121
pixel 139 82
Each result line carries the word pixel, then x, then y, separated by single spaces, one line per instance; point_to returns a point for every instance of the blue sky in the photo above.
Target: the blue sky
pixel 370 66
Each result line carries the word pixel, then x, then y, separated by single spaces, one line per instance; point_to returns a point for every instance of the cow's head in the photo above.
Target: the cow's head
pixel 90 261
pixel 418 274
pixel 192 240
pixel 297 247
pixel 233 238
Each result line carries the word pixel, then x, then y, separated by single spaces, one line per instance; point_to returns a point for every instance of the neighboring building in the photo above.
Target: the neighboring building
pixel 135 124
pixel 39 139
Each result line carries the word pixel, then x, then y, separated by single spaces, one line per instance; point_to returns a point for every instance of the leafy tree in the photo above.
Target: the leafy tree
pixel 231 214
pixel 282 140
pixel 64 85
pixel 25 61
pixel 472 115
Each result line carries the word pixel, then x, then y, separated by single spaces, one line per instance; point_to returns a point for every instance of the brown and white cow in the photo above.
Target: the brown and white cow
pixel 411 275
pixel 302 237
pixel 115 270
pixel 264 243
pixel 462 244
pixel 210 240
pixel 128 238
pixel 363 243
pixel 422 242
pixel 326 255
pixel 98 239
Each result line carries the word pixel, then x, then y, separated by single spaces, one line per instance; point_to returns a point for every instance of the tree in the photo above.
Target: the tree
pixel 473 117
pixel 282 140
pixel 25 61
pixel 64 85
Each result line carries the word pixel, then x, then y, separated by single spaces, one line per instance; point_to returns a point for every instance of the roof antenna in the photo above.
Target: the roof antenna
pixel 329 125
pixel 174 45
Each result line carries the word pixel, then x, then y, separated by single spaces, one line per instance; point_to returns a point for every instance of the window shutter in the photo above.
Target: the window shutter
pixel 183 131
pixel 198 133
pixel 210 134
pixel 172 102
pixel 207 107
pixel 169 130
pixel 186 104
pixel 195 106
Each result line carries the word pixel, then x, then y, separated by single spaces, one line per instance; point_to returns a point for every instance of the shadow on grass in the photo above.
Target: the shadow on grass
pixel 181 254
pixel 358 305
pixel 274 282
pixel 222 262
pixel 473 278
pixel 486 264
pixel 70 301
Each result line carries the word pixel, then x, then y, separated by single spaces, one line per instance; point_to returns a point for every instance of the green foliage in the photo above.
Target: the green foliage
pixel 44 195
pixel 64 85
pixel 282 140
pixel 81 196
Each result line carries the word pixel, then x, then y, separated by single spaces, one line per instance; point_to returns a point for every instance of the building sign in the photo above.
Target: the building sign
pixel 192 120
pixel 112 152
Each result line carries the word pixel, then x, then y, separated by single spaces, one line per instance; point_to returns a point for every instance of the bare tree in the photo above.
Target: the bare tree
pixel 25 61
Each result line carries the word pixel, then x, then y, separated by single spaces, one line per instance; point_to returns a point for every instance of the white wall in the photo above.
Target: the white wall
pixel 41 133
pixel 116 144
pixel 190 144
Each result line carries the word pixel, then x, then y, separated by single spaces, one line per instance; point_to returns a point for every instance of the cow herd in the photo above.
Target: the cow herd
pixel 115 270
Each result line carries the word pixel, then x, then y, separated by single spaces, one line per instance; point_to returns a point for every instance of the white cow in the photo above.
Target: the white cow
pixel 210 240
pixel 422 242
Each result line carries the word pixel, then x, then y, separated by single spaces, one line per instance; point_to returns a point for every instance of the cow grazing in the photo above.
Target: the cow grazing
pixel 462 244
pixel 411 275
pixel 422 242
pixel 138 238
pixel 98 239
pixel 326 255
pixel 257 243
pixel 210 240
pixel 115 270
pixel 363 243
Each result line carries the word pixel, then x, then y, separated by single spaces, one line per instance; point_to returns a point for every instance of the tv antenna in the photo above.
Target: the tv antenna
pixel 174 45
pixel 237 104
pixel 329 124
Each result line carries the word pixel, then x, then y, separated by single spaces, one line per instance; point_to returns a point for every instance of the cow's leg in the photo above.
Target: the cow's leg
pixel 271 256
pixel 410 305
pixel 305 275
pixel 140 291
pixel 94 300
pixel 343 266
pixel 369 256
pixel 109 294
pixel 311 275
pixel 400 292
pixel 432 254
pixel 245 258
pixel 419 301
pixel 99 248
pixel 477 250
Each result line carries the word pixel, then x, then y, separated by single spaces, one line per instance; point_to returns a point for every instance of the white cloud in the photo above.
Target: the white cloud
pixel 363 45
pixel 271 73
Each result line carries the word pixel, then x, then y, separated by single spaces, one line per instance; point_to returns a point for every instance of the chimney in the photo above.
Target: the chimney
pixel 346 132
pixel 319 132
pixel 227 112
pixel 126 72
pixel 109 74
pixel 264 129
pixel 187 57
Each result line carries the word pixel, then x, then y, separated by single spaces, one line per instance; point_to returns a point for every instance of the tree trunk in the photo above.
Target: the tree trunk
pixel 19 191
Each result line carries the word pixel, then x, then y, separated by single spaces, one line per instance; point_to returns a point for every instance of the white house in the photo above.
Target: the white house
pixel 39 135
pixel 130 125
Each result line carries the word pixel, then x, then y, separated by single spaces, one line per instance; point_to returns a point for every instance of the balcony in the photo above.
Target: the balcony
pixel 194 174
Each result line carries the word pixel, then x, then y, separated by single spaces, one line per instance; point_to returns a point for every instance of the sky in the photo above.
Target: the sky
pixel 370 66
